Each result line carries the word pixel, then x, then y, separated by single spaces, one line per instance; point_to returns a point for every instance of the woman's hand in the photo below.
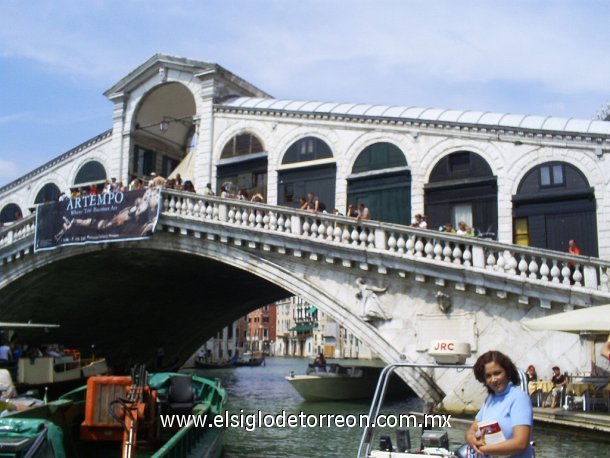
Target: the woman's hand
pixel 474 439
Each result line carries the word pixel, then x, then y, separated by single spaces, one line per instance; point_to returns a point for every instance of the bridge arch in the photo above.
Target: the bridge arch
pixel 49 192
pixel 162 129
pixel 9 213
pixel 309 286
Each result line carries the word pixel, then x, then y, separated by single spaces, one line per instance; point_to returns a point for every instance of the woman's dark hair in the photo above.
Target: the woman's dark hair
pixel 500 359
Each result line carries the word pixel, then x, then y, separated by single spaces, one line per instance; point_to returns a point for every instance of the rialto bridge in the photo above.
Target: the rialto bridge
pixel 530 183
pixel 397 288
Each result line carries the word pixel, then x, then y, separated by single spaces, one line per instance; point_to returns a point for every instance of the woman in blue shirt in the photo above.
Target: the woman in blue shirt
pixel 507 404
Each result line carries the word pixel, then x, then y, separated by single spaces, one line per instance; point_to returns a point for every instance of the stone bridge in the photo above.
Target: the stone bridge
pixel 395 287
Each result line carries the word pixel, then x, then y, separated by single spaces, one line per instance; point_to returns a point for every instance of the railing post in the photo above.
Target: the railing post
pixel 478 256
pixel 380 239
pixel 295 225
pixel 591 277
pixel 223 213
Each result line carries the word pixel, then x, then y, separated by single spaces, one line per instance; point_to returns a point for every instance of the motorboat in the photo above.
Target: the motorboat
pixel 54 368
pixel 125 416
pixel 433 442
pixel 337 382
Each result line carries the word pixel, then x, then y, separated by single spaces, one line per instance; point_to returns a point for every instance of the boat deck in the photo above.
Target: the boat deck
pixel 592 421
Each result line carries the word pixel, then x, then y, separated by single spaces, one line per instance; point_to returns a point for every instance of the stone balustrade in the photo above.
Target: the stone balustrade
pixel 473 253
pixel 427 246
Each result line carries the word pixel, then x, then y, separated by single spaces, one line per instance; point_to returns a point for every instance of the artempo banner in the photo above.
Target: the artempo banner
pixel 98 218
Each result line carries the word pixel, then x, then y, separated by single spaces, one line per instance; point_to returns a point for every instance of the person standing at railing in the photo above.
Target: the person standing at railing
pixel 363 212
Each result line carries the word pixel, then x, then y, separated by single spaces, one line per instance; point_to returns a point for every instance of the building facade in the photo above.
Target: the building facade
pixel 531 180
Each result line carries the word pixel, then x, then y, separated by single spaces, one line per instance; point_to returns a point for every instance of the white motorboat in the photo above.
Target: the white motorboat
pixel 434 442
pixel 334 382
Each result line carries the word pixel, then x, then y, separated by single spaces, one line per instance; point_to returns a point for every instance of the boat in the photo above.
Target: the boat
pixel 219 365
pixel 251 360
pixel 127 416
pixel 338 382
pixel 55 369
pixel 433 442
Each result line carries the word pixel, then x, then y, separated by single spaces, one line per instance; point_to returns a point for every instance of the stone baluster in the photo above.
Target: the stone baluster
pixel 272 221
pixel 401 244
pixel 337 234
pixel 419 248
pixel 280 223
pixel 467 256
pixel 172 204
pixel 266 220
pixel 410 245
pixel 457 254
pixel 533 268
pixel 544 270
pixel 330 232
pixel 363 237
pixel 491 261
pixel 371 239
pixel 603 279
pixel 555 272
pixel 392 242
pixel 184 207
pixel 447 251
pixel 314 229
pixel 522 266
pixel 259 219
pixel 511 264
pixel 252 218
pixel 565 273
pixel 321 230
pixel 232 215
pixel 355 236
pixel 306 226
pixel 165 202
pixel 429 249
pixel 345 235
pixel 288 224
pixel 438 250
pixel 577 276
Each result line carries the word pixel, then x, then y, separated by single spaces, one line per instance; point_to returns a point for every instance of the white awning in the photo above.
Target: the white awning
pixel 587 320
pixel 186 168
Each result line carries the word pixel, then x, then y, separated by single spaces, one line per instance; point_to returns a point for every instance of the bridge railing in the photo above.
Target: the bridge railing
pixel 537 265
pixel 432 246
pixel 17 230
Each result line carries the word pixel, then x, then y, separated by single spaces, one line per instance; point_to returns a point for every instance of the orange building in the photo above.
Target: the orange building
pixel 261 334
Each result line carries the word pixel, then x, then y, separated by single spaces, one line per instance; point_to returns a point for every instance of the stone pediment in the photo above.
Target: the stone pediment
pixel 160 64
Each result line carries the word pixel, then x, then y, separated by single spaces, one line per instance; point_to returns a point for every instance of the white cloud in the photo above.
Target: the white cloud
pixel 12 117
pixel 8 170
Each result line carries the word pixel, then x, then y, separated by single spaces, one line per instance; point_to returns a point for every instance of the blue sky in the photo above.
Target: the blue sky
pixel 527 57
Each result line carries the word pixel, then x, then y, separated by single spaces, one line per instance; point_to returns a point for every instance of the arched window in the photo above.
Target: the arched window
pixel 90 172
pixel 9 213
pixel 462 188
pixel 49 193
pixel 555 203
pixel 241 145
pixel 307 149
pixel 387 192
pixel 460 165
pixel 382 155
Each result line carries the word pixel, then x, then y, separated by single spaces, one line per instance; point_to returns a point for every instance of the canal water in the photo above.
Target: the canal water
pixel 264 389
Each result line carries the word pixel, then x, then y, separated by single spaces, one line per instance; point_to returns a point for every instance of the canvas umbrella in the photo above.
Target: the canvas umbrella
pixel 589 320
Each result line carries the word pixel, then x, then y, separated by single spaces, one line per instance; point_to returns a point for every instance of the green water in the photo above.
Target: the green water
pixel 263 388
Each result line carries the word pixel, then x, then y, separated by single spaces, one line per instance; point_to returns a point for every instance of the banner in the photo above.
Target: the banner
pixel 97 218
